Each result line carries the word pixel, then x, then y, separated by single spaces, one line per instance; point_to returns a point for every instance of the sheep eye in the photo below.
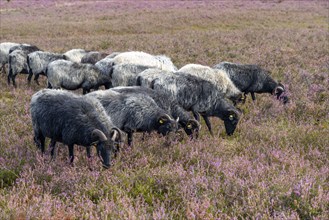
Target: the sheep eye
pixel 231 117
pixel 161 121
pixel 189 126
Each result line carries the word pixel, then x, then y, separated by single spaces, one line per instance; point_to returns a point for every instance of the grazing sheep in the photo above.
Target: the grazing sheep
pixel 38 62
pixel 252 79
pixel 75 55
pixel 18 61
pixel 135 113
pixel 72 119
pixel 69 75
pixel 199 96
pixel 105 65
pixel 217 77
pixel 164 101
pixel 4 54
pixel 126 74
pixel 144 59
pixel 93 57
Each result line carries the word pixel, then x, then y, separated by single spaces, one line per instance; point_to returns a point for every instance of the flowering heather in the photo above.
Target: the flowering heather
pixel 275 166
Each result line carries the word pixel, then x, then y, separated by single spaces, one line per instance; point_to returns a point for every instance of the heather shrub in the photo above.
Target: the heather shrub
pixel 275 166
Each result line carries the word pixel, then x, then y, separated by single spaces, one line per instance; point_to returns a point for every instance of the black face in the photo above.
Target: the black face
pixel 192 128
pixel 166 125
pixel 104 152
pixel 230 122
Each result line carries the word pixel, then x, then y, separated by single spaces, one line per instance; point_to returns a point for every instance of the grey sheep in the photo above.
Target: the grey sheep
pixel 75 55
pixel 71 119
pixel 164 101
pixel 146 77
pixel 252 79
pixel 135 113
pixel 217 77
pixel 199 96
pixel 69 75
pixel 18 61
pixel 93 57
pixel 38 62
pixel 144 59
pixel 4 54
pixel 126 74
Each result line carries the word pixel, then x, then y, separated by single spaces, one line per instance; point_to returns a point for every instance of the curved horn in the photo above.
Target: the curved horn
pixel 194 123
pixel 99 134
pixel 114 133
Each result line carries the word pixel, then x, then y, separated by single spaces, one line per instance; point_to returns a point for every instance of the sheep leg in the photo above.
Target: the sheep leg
pixel 206 119
pixel 130 139
pixel 30 77
pixel 40 142
pixel 49 86
pixel 71 153
pixel 13 80
pixel 196 115
pixel 52 146
pixel 253 96
pixel 36 79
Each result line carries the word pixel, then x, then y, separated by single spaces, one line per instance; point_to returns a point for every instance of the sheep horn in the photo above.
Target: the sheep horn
pixel 116 132
pixel 99 134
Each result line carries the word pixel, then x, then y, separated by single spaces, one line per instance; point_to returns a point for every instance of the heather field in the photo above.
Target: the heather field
pixel 275 166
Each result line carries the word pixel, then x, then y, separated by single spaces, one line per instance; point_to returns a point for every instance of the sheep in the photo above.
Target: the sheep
pixel 135 113
pixel 38 62
pixel 93 57
pixel 18 61
pixel 141 58
pixel 125 74
pixel 146 77
pixel 217 77
pixel 4 54
pixel 105 65
pixel 75 55
pixel 72 119
pixel 69 75
pixel 164 101
pixel 252 79
pixel 199 96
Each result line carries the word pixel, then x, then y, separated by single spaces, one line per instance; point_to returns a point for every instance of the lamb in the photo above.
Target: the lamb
pixel 126 74
pixel 93 57
pixel 252 79
pixel 141 58
pixel 135 113
pixel 164 101
pixel 18 61
pixel 75 55
pixel 69 75
pixel 199 96
pixel 38 62
pixel 73 119
pixel 217 77
pixel 4 54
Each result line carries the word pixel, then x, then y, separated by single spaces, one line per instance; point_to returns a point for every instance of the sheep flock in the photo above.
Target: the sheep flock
pixel 128 92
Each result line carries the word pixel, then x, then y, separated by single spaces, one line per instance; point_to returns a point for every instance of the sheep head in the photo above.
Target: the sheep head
pixel 279 92
pixel 165 124
pixel 192 127
pixel 103 146
pixel 231 119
